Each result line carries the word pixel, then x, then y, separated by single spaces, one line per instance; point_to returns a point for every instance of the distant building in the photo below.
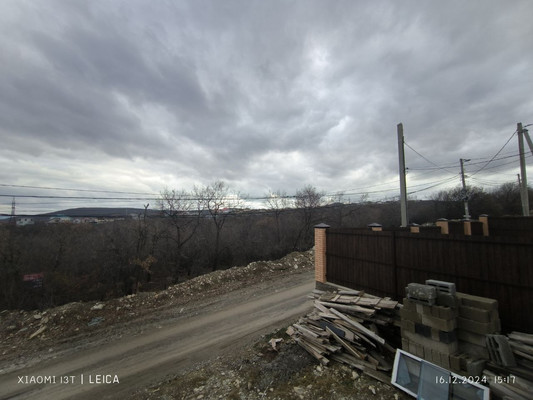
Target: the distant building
pixel 23 221
pixel 60 219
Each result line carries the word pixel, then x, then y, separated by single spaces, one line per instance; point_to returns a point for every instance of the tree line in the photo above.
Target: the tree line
pixel 194 233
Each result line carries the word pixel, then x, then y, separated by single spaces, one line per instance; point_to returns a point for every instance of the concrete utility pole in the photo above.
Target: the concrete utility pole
pixel 403 184
pixel 465 194
pixel 524 196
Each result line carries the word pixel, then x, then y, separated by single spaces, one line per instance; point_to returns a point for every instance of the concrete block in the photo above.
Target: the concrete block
pixel 408 304
pixel 447 337
pixel 405 344
pixel 410 315
pixel 475 314
pixel 440 324
pixel 480 328
pixel 407 325
pixel 475 367
pixel 444 312
pixel 470 337
pixel 423 294
pixel 455 362
pixel 423 309
pixel 474 351
pixel 477 302
pixel 445 360
pixel 447 300
pixel 423 330
pixel 428 343
pixel 441 286
pixel 499 350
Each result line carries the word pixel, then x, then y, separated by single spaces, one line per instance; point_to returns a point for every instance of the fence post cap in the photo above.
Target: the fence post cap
pixel 484 215
pixel 442 219
pixel 374 225
pixel 322 226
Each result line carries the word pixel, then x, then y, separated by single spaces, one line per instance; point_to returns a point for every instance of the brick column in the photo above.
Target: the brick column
pixel 414 228
pixel 467 228
pixel 375 227
pixel 484 219
pixel 443 224
pixel 320 252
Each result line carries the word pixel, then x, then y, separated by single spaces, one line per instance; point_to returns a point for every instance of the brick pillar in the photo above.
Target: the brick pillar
pixel 443 224
pixel 320 252
pixel 467 228
pixel 414 228
pixel 484 219
pixel 375 227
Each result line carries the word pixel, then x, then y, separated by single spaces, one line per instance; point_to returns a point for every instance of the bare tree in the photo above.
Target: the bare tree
pixel 307 200
pixel 181 210
pixel 217 201
pixel 277 202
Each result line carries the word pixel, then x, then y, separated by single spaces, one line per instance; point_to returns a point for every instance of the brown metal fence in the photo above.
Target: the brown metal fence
pixel 383 263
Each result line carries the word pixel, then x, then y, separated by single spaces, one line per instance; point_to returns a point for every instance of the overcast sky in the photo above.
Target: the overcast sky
pixel 136 96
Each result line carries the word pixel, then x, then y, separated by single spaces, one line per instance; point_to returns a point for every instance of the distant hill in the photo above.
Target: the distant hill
pixel 99 212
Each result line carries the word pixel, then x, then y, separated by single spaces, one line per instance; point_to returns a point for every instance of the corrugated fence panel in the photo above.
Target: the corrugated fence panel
pixel 383 263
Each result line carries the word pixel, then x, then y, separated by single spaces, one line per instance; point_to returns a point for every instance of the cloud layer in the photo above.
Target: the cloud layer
pixel 139 95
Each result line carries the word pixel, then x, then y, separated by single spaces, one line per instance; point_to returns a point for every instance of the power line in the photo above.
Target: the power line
pixel 495 155
pixel 72 190
pixel 428 160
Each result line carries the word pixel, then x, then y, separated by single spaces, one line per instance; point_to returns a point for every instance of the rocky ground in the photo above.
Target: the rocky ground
pixel 258 371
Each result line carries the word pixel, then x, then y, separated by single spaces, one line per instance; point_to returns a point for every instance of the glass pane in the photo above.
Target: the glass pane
pixel 466 391
pixel 434 383
pixel 408 373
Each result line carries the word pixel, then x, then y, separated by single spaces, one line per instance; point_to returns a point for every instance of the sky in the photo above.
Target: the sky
pixel 110 99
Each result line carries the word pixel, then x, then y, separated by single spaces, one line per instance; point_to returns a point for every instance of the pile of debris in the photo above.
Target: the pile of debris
pixel 345 327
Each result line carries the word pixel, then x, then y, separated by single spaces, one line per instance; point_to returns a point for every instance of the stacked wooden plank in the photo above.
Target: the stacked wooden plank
pixel 343 327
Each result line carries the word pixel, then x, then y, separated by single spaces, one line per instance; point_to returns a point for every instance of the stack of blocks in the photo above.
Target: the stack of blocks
pixel 448 328
pixel 478 317
pixel 429 329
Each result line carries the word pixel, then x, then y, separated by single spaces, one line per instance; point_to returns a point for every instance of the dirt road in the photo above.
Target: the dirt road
pixel 116 367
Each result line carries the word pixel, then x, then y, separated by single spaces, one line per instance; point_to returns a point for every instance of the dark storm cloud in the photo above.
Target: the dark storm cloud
pixel 262 94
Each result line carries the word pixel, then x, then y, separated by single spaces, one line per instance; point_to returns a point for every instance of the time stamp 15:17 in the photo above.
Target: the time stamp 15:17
pixel 463 380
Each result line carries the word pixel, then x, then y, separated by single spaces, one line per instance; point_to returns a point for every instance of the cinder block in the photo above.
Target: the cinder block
pixel 475 314
pixel 470 337
pixel 445 360
pixel 474 351
pixel 424 309
pixel 444 312
pixel 475 367
pixel 408 304
pixel 423 294
pixel 410 315
pixel 447 300
pixel 440 324
pixel 480 328
pixel 423 330
pixel 455 362
pixel 477 302
pixel 441 286
pixel 447 337
pixel 447 348
pixel 499 350
pixel 407 325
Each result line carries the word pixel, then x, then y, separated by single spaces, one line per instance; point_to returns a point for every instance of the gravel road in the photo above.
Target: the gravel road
pixel 137 356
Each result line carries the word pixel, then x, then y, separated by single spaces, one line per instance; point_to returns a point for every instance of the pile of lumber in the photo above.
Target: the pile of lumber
pixel 343 327
pixel 514 379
